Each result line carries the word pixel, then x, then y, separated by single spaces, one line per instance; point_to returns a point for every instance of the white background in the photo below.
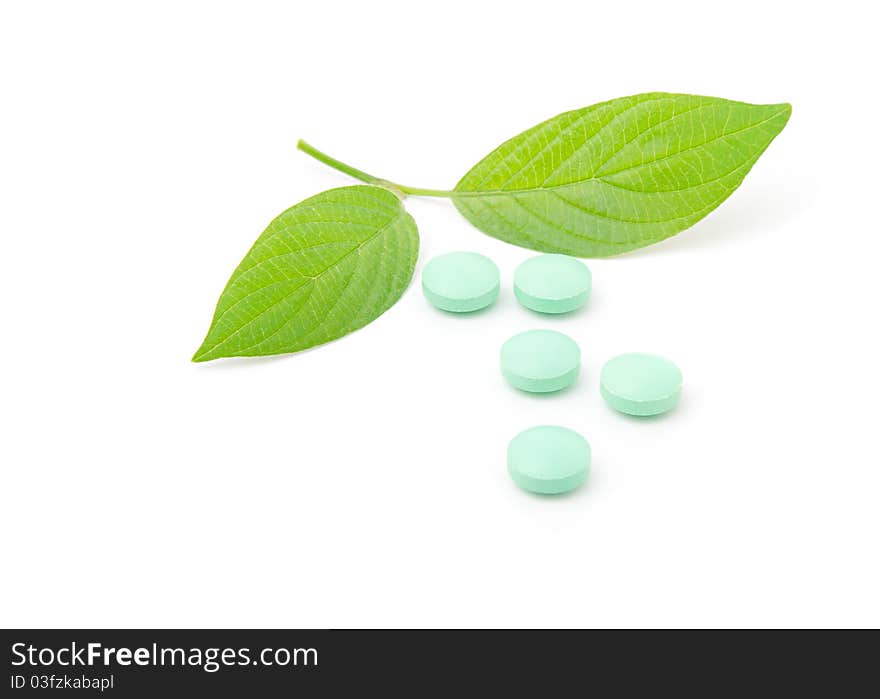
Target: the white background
pixel 143 148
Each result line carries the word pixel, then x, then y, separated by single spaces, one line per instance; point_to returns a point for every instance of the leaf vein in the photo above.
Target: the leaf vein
pixel 276 303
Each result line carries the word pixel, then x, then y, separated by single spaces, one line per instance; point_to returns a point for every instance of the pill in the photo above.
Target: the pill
pixel 552 283
pixel 461 282
pixel 548 459
pixel 540 361
pixel 640 384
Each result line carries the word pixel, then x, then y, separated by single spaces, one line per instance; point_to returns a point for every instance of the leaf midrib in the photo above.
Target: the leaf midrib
pixel 316 326
pixel 583 114
pixel 471 194
pixel 313 279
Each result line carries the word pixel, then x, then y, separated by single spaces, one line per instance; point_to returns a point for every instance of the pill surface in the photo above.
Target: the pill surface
pixel 540 361
pixel 552 283
pixel 548 459
pixel 461 282
pixel 641 384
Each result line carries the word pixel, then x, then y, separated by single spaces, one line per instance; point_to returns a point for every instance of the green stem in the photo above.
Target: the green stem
pixel 336 164
pixel 365 177
pixel 421 192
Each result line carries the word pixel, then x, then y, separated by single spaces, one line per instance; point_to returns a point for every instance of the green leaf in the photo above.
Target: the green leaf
pixel 322 269
pixel 618 175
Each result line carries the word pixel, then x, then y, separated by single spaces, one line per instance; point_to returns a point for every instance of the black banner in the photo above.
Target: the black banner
pixel 136 663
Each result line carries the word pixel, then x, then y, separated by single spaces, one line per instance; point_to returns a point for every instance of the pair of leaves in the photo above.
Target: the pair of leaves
pixel 592 182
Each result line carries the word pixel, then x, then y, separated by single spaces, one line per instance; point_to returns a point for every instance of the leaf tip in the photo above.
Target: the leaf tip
pixel 200 355
pixel 784 112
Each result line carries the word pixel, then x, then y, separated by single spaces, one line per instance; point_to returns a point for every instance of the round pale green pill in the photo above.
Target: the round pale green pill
pixel 548 459
pixel 461 282
pixel 540 361
pixel 552 283
pixel 640 384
